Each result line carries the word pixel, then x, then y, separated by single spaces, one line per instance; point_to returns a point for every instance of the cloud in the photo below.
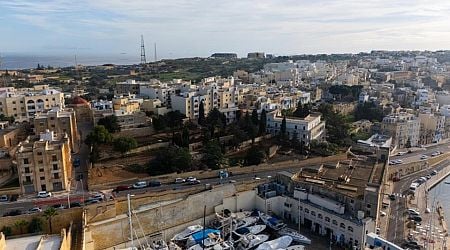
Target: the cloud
pixel 273 25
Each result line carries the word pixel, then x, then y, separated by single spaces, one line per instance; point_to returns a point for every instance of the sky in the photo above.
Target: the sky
pixel 201 27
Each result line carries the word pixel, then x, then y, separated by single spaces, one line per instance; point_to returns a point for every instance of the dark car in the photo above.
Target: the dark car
pixel 194 182
pixel 75 204
pixel 121 188
pixel 416 218
pixel 12 213
pixel 392 197
pixel 154 184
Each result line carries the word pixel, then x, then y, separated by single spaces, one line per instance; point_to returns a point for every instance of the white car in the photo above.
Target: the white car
pixel 436 153
pixel 35 210
pixel 44 194
pixel 140 184
pixel 179 180
pixel 398 161
pixel 423 157
pixel 401 153
pixel 3 198
pixel 413 212
pixel 191 179
pixel 98 196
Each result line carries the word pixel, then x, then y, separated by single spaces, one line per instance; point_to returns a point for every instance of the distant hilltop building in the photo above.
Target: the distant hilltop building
pixel 224 55
pixel 256 55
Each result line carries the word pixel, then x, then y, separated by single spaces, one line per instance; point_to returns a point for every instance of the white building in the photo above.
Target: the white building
pixel 403 128
pixel 307 129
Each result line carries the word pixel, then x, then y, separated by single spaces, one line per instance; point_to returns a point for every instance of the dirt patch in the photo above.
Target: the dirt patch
pixel 101 175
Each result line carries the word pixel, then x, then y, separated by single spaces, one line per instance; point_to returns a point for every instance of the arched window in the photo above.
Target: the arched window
pixel 334 222
pixel 313 213
pixel 327 219
pixel 319 216
pixel 350 228
pixel 306 210
pixel 342 225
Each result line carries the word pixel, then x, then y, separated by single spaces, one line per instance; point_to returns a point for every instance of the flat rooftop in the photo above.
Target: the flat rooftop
pixel 49 242
pixel 349 177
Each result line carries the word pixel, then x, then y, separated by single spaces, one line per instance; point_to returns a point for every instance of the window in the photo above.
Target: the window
pixel 55 166
pixel 369 206
pixel 327 219
pixel 313 213
pixel 54 158
pixel 39 153
pixel 342 225
pixel 14 102
pixel 42 178
pixel 319 216
pixel 306 210
pixel 56 176
pixel 301 208
pixel 41 170
pixel 27 170
pixel 25 161
pixel 28 179
pixel 350 228
pixel 40 162
pixel 334 222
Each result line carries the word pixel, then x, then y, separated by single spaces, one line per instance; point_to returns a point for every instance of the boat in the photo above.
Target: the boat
pixel 296 236
pixel 280 243
pixel 251 240
pixel 184 235
pixel 245 222
pixel 208 237
pixel 296 247
pixel 173 246
pixel 219 246
pixel 241 232
pixel 272 222
pixel 159 245
pixel 256 229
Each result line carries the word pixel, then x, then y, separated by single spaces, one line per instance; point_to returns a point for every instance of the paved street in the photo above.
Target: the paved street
pixel 398 207
pixel 416 153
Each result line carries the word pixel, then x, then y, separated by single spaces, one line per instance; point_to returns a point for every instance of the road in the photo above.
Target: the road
pixel 398 218
pixel 416 153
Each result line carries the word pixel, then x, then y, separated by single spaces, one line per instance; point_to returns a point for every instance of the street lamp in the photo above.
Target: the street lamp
pixel 129 219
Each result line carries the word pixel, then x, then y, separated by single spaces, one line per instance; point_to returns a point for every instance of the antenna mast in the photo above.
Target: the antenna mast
pixel 156 58
pixel 143 60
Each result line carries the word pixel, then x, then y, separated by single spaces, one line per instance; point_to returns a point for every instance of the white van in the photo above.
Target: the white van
pixel 413 187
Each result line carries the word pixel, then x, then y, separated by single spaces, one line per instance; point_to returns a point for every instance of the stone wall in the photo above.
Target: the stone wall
pixel 66 238
pixel 62 220
pixel 155 217
pixel 410 168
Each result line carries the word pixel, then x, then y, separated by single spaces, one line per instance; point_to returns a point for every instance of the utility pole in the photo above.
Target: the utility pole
pixel 129 220
pixel 156 58
pixel 143 59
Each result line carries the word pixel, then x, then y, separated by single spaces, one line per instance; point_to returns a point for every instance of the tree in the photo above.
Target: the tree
pixel 336 125
pixel 408 143
pixel 110 123
pixel 283 127
pixel 185 137
pixel 169 160
pixel 124 144
pixel 213 156
pixel 369 111
pixel 9 119
pixel 35 225
pixel 49 213
pixel 20 224
pixel 214 120
pixel 7 231
pixel 201 113
pixel 255 117
pixel 159 123
pixel 99 135
pixel 263 122
pixel 254 156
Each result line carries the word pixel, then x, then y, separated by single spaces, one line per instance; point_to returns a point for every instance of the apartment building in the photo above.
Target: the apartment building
pixel 432 128
pixel 60 121
pixel 404 129
pixel 306 129
pixel 341 201
pixel 125 105
pixel 24 103
pixel 44 164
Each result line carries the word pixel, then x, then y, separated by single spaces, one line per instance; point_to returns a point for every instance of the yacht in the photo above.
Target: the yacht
pixel 184 235
pixel 160 245
pixel 280 243
pixel 296 247
pixel 208 238
pixel 272 222
pixel 296 236
pixel 251 240
pixel 245 222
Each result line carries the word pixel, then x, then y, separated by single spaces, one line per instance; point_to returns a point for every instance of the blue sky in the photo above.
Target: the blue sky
pixel 200 27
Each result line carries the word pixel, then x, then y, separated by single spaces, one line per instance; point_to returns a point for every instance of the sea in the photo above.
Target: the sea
pixel 22 61
pixel 440 193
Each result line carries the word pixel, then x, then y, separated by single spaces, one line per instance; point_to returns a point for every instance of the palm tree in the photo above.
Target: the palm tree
pixel 49 213
pixel 20 224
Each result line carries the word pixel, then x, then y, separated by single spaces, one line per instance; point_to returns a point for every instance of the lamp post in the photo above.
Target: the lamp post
pixel 129 219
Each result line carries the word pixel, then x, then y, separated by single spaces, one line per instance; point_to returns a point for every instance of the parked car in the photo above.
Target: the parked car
pixel 44 194
pixel 59 206
pixel 434 172
pixel 75 204
pixel 121 188
pixel 399 161
pixel 154 183
pixel 12 213
pixel 435 153
pixel 401 153
pixel 191 179
pixel 392 197
pixel 4 198
pixel 428 176
pixel 35 210
pixel 413 212
pixel 194 182
pixel 392 162
pixel 140 184
pixel 98 196
pixel 179 180
pixel 91 201
pixel 423 157
pixel 416 218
